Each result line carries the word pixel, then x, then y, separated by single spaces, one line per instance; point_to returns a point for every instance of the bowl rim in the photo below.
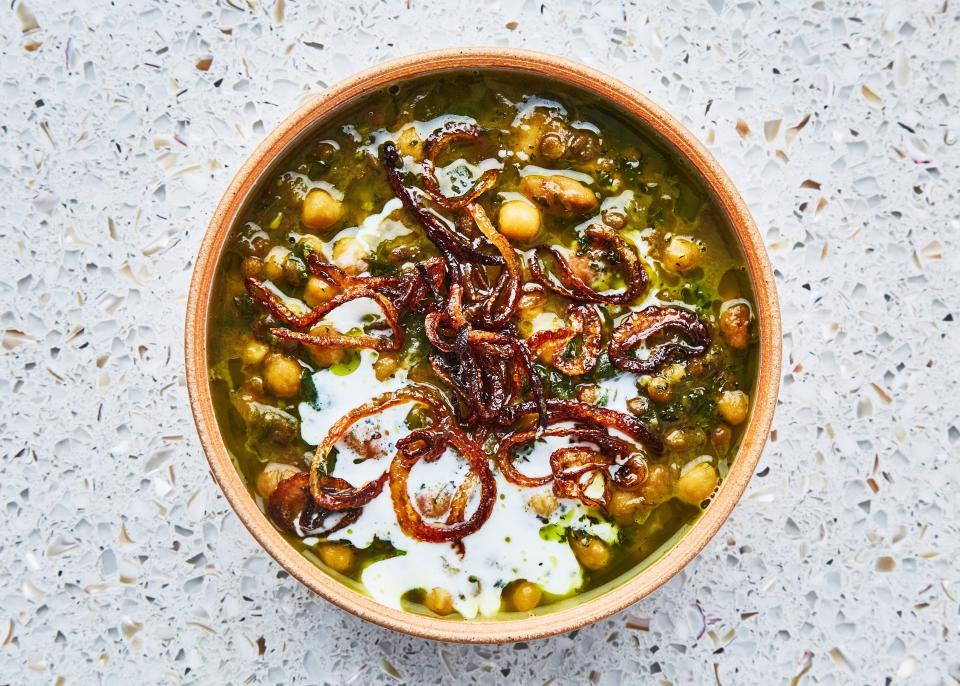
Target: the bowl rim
pixel 671 133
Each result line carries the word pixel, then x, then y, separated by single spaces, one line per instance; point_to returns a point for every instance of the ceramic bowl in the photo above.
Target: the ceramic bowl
pixel 583 609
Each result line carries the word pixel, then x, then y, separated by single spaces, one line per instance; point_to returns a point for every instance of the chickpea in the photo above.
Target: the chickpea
pixel 439 600
pixel 583 146
pixel 624 507
pixel 614 218
pixel 385 366
pixel 543 503
pixel 320 210
pixel 588 394
pixel 271 476
pixel 350 255
pixel 735 326
pixel 526 137
pixel 659 389
pixel 552 146
pixel 294 271
pixel 410 143
pixel 273 264
pixel 659 485
pixel 311 244
pixel 318 291
pixel 591 552
pixel 733 406
pixel 720 437
pixel 337 556
pixel 676 439
pixel 253 386
pixel 697 484
pixel 251 266
pixel 559 194
pixel 675 373
pixel 254 352
pixel 519 220
pixel 638 406
pixel 681 255
pixel 325 356
pixel 281 375
pixel 522 596
pixel 605 164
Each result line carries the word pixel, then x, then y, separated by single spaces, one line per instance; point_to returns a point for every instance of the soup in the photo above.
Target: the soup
pixel 479 345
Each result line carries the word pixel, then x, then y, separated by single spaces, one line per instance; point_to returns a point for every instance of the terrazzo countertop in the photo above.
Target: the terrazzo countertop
pixel 122 123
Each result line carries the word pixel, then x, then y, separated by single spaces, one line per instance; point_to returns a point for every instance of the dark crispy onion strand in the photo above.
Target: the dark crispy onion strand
pixel 291 507
pixel 631 475
pixel 449 242
pixel 572 410
pixel 428 445
pixel 337 494
pixel 341 340
pixel 639 326
pixel 570 285
pixel 435 144
pixel 574 469
pixel 584 321
pixel 501 305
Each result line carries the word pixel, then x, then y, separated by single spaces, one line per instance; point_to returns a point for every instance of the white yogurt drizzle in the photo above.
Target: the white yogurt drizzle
pixel 507 547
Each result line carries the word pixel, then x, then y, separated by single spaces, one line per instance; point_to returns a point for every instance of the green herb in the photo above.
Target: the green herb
pixel 348 364
pixel 604 368
pixel 308 389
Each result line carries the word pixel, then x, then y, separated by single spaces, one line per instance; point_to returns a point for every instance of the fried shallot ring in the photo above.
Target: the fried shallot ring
pixel 336 494
pixel 429 445
pixel 575 470
pixel 292 508
pixel 639 326
pixel 584 321
pixel 570 285
pixel 632 474
pixel 452 132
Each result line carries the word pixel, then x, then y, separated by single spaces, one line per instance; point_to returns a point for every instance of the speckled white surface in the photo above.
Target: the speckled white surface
pixel 120 561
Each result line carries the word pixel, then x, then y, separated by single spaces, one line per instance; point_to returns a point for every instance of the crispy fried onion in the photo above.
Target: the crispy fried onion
pixel 393 295
pixel 570 285
pixel 450 243
pixel 406 291
pixel 576 469
pixel 585 322
pixel 591 415
pixel 473 349
pixel 429 445
pixel 486 370
pixel 453 132
pixel 637 327
pixel 292 508
pixel 502 301
pixel 333 339
pixel 336 494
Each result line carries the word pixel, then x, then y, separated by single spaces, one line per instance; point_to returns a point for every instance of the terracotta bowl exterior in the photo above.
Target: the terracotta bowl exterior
pixel 659 124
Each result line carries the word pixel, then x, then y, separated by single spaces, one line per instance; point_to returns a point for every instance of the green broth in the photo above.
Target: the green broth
pixel 685 402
